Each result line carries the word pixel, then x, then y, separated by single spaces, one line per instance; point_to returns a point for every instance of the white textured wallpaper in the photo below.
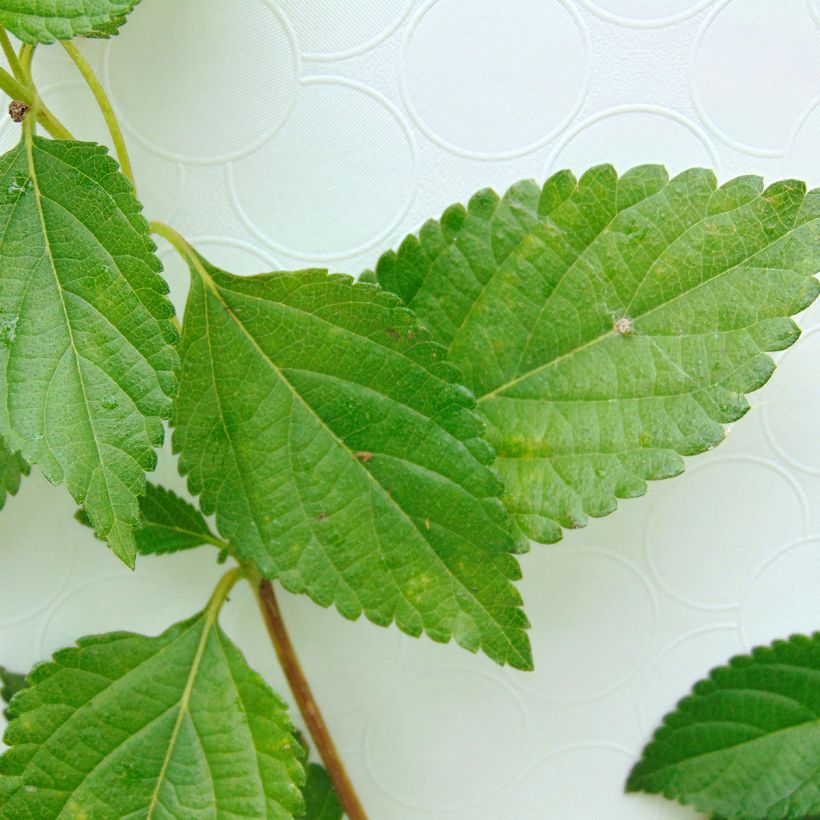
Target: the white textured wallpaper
pixel 290 133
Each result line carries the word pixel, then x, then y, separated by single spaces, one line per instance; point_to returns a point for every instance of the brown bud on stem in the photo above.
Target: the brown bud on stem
pixel 18 110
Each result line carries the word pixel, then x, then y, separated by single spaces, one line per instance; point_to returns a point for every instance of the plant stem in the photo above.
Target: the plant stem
pixel 276 626
pixel 175 239
pixel 225 585
pixel 25 92
pixel 305 700
pixel 11 54
pixel 105 106
pixel 14 88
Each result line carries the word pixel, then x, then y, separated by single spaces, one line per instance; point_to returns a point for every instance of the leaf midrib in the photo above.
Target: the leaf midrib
pixel 499 263
pixel 610 332
pixel 211 614
pixel 115 205
pixel 28 137
pixel 211 286
pixel 808 724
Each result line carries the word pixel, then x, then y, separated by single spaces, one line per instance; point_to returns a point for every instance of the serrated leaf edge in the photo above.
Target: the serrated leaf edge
pixel 513 656
pixel 702 687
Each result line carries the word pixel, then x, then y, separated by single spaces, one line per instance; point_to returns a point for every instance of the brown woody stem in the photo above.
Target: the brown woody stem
pixel 307 704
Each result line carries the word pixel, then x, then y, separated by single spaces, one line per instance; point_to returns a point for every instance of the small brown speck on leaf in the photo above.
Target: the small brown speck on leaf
pixel 363 455
pixel 427 523
pixel 624 327
pixel 17 110
pixel 392 333
pixel 321 517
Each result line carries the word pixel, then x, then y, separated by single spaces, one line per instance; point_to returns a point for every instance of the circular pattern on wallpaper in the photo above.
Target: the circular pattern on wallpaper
pixel 581 598
pixel 159 593
pixel 159 179
pixel 735 66
pixel 335 29
pixel 428 713
pixel 334 180
pixel 228 254
pixel 783 597
pixel 790 412
pixel 641 14
pixel 232 78
pixel 710 528
pixel 38 510
pixel 122 597
pixel 803 158
pixel 685 661
pixel 637 135
pixel 581 780
pixel 348 663
pixel 492 80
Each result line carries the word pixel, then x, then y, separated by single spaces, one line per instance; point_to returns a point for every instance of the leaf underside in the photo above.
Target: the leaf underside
pixel 12 468
pixel 746 742
pixel 44 21
pixel 321 426
pixel 86 356
pixel 129 726
pixel 609 326
pixel 169 523
pixel 321 802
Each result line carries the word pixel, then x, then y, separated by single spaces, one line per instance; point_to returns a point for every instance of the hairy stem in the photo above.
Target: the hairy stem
pixel 305 700
pixel 105 106
pixel 11 54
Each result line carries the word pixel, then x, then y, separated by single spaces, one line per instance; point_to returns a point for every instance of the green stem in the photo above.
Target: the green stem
pixel 11 54
pixel 215 542
pixel 177 240
pixel 25 92
pixel 105 106
pixel 14 88
pixel 220 593
pixel 272 616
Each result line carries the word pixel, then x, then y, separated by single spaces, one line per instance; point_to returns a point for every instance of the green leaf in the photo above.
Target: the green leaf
pixel 86 356
pixel 169 524
pixel 609 326
pixel 10 684
pixel 129 726
pixel 12 468
pixel 321 802
pixel 44 21
pixel 321 426
pixel 746 742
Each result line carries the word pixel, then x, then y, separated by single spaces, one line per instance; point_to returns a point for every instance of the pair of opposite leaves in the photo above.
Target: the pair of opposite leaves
pixel 606 326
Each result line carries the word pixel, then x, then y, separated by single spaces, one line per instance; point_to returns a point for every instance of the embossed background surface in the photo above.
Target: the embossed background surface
pixel 283 133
